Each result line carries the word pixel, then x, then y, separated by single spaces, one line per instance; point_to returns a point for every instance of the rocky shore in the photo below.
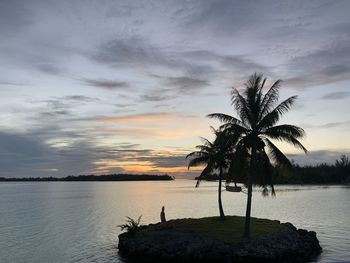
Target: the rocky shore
pixel 165 242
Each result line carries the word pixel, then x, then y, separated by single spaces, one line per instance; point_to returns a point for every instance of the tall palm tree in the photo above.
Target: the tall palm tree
pixel 212 154
pixel 251 134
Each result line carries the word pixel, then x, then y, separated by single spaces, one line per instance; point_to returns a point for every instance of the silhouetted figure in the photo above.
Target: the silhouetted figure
pixel 162 215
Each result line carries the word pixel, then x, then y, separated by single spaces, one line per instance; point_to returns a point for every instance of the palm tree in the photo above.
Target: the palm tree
pixel 252 131
pixel 212 154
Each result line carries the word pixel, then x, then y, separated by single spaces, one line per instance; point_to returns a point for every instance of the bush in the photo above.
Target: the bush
pixel 131 225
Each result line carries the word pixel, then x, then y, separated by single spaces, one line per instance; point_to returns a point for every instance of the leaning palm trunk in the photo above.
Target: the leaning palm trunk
pixel 221 210
pixel 213 155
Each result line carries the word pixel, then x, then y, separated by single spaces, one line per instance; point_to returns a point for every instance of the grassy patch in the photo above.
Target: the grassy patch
pixel 228 230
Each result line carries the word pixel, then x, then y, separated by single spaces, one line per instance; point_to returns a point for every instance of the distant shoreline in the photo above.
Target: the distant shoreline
pixel 93 178
pixel 343 183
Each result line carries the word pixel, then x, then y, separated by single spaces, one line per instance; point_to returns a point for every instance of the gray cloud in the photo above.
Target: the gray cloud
pixel 328 65
pixel 328 125
pixel 142 54
pixel 55 113
pixel 50 68
pixel 127 145
pixel 15 16
pixel 127 149
pixel 221 17
pixel 173 87
pixel 10 83
pixel 337 95
pixel 186 84
pixel 235 64
pixel 168 161
pixel 31 154
pixel 315 51
pixel 134 50
pixel 156 97
pixel 65 102
pixel 334 124
pixel 55 104
pixel 107 84
pixel 27 155
pixel 124 105
pixel 81 98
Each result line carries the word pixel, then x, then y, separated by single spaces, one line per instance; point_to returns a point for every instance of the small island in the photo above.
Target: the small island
pixel 242 151
pixel 93 178
pixel 211 239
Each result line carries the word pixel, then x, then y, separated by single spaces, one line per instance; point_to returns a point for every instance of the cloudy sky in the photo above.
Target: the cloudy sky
pixel 124 86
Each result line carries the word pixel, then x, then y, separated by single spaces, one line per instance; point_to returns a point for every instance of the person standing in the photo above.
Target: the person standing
pixel 162 215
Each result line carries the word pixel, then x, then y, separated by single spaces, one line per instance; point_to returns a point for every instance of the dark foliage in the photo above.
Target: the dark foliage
pixel 108 177
pixel 131 225
pixel 337 173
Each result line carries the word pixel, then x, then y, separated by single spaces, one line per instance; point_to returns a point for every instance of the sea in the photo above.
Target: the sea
pixel 79 221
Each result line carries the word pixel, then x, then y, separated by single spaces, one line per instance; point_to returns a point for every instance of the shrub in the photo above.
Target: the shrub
pixel 131 225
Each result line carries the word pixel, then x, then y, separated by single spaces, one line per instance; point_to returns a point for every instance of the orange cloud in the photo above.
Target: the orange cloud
pixel 146 117
pixel 109 165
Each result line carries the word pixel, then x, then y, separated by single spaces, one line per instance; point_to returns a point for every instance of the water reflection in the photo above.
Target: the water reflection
pixel 77 222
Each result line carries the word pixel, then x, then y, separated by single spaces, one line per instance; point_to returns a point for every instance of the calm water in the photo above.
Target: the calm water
pixel 77 221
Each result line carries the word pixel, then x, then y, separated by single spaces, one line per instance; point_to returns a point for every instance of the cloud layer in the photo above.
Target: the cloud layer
pixel 124 86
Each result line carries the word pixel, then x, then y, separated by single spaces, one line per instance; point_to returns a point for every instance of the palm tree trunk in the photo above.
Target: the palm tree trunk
pixel 249 206
pixel 221 210
pixel 249 196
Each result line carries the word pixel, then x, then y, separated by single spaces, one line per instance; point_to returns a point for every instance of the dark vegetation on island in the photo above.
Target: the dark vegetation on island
pixel 211 239
pixel 337 173
pixel 93 178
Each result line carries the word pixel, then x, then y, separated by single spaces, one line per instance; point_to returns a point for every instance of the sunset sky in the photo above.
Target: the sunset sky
pixel 124 86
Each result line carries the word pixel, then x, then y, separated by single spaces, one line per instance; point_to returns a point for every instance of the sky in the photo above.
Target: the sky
pixel 125 86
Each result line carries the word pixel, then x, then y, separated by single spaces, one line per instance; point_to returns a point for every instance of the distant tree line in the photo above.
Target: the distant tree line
pixel 337 173
pixel 99 178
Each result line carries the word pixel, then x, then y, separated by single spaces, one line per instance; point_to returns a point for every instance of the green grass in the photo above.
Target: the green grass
pixel 228 230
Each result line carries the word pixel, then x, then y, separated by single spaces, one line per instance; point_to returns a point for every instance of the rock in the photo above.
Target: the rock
pixel 164 243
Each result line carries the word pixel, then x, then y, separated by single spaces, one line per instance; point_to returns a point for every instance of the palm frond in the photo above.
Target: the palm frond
pixel 253 96
pixel 241 106
pixel 277 156
pixel 203 148
pixel 205 141
pixel 273 116
pixel 270 98
pixel 291 130
pixel 266 172
pixel 281 136
pixel 197 161
pixel 196 154
pixel 234 128
pixel 261 91
pixel 263 84
pixel 207 170
pixel 225 118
